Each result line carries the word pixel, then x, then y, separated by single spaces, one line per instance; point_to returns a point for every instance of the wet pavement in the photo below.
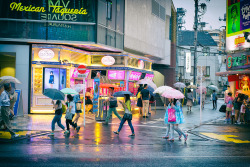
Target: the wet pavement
pixel 97 145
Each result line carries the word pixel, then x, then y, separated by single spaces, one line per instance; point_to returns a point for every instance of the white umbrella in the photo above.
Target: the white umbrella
pixel 173 93
pixel 213 87
pixel 148 82
pixel 162 89
pixel 179 85
pixel 7 79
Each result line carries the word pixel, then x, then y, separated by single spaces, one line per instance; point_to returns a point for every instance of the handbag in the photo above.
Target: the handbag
pixel 68 115
pixel 127 116
pixel 78 106
pixel 171 115
pixel 223 108
pixel 113 104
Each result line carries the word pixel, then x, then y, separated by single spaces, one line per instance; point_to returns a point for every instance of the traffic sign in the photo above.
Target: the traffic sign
pixel 81 69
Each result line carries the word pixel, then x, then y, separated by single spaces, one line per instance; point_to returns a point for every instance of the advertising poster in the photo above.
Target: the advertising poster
pixel 233 17
pixel 119 75
pixel 17 101
pixel 96 94
pixel 245 14
pixel 62 78
pixel 51 78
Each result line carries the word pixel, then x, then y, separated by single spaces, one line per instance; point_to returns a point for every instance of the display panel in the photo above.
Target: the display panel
pixel 149 76
pixel 135 76
pixel 51 78
pixel 63 78
pixel 119 75
pixel 94 72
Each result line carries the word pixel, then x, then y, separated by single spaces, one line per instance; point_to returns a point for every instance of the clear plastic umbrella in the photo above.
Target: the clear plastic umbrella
pixel 179 85
pixel 213 87
pixel 8 79
pixel 173 94
pixel 148 82
pixel 162 89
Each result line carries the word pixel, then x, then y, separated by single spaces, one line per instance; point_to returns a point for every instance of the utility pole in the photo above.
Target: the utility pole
pixel 195 38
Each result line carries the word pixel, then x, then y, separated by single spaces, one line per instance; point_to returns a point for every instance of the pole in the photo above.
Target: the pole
pixel 84 101
pixel 201 96
pixel 195 39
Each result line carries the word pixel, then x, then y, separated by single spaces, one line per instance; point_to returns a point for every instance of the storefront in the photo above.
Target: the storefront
pixel 55 66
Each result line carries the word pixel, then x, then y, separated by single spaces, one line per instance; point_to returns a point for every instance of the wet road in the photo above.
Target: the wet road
pixel 96 145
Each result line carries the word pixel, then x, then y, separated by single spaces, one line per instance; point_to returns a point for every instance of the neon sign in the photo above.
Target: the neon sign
pixel 46 54
pixel 108 60
pixel 149 76
pixel 119 75
pixel 135 76
pixel 238 61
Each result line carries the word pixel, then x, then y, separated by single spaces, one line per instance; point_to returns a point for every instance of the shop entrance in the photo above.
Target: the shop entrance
pixel 7 64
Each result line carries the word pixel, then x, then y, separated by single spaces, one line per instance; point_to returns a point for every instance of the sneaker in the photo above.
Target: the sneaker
pixel 66 132
pixel 15 135
pixel 78 128
pixel 51 134
pixel 186 137
pixel 132 135
pixel 172 140
pixel 165 137
pixel 180 137
pixel 116 132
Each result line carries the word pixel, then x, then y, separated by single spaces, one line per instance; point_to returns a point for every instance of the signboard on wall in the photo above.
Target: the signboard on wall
pixel 119 75
pixel 238 24
pixel 188 62
pixel 149 76
pixel 135 76
pixel 238 61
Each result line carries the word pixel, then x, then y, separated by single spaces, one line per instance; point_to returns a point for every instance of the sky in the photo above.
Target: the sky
pixel 215 9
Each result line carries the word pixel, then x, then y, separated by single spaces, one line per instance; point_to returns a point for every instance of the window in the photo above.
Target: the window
pixel 181 70
pixel 158 10
pixel 207 71
pixel 206 51
pixel 109 10
pixel 192 71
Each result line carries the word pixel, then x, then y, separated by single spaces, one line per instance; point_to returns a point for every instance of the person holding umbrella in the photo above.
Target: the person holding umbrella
pixel 127 116
pixel 5 109
pixel 214 98
pixel 58 115
pixel 145 96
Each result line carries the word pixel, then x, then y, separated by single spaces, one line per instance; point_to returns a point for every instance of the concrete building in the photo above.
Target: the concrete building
pixel 207 57
pixel 150 30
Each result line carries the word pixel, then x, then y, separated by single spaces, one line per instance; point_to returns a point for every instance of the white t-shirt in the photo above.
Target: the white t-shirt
pixel 73 109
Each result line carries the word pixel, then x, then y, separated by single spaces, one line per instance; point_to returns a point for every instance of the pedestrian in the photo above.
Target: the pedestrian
pixel 203 96
pixel 237 105
pixel 242 112
pixel 145 96
pixel 151 101
pixel 13 97
pixel 112 106
pixel 171 126
pixel 70 115
pixel 58 115
pixel 127 116
pixel 226 93
pixel 5 109
pixel 139 101
pixel 189 100
pixel 78 107
pixel 88 102
pixel 229 101
pixel 214 98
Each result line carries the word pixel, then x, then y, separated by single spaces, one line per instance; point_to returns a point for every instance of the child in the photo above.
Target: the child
pixel 229 102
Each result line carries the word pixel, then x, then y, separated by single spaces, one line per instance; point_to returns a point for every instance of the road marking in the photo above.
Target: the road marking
pixel 227 138
pixel 207 156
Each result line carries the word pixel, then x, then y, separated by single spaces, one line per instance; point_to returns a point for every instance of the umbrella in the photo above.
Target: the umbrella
pixel 192 87
pixel 179 85
pixel 203 89
pixel 148 82
pixel 151 90
pixel 6 79
pixel 108 86
pixel 122 93
pixel 173 93
pixel 69 91
pixel 213 87
pixel 162 89
pixel 54 94
pixel 78 87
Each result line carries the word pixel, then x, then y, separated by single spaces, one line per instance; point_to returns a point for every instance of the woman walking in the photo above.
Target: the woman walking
pixel 171 126
pixel 58 115
pixel 70 114
pixel 78 107
pixel 229 101
pixel 139 101
pixel 237 105
pixel 189 100
pixel 127 116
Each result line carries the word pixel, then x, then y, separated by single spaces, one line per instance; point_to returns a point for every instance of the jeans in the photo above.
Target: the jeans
pixel 69 121
pixel 129 123
pixel 5 112
pixel 57 119
pixel 145 107
pixel 176 128
pixel 110 113
pixel 214 104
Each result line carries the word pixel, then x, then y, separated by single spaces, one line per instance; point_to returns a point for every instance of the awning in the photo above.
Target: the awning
pixel 232 73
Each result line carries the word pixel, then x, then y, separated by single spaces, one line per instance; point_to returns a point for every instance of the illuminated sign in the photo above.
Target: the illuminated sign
pixel 141 64
pixel 119 75
pixel 135 76
pixel 188 62
pixel 238 42
pixel 108 60
pixel 149 76
pixel 74 73
pixel 238 61
pixel 46 54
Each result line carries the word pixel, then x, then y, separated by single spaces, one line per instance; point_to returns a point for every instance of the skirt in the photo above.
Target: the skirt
pixel 139 102
pixel 189 103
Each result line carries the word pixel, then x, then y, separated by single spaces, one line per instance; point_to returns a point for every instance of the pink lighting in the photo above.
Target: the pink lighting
pixel 135 76
pixel 75 73
pixel 149 76
pixel 119 75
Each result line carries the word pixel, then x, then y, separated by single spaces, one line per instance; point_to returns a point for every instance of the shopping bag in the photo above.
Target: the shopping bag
pixel 171 115
pixel 68 115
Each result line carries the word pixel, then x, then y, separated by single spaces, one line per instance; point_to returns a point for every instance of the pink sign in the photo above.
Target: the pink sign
pixel 119 75
pixel 149 76
pixel 135 76
pixel 75 73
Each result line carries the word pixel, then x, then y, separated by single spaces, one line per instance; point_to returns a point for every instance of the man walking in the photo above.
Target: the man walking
pixel 112 106
pixel 214 96
pixel 5 109
pixel 145 95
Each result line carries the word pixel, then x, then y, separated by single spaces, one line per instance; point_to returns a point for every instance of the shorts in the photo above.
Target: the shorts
pixel 229 109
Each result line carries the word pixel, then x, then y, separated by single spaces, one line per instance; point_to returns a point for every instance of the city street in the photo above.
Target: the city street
pixel 97 145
